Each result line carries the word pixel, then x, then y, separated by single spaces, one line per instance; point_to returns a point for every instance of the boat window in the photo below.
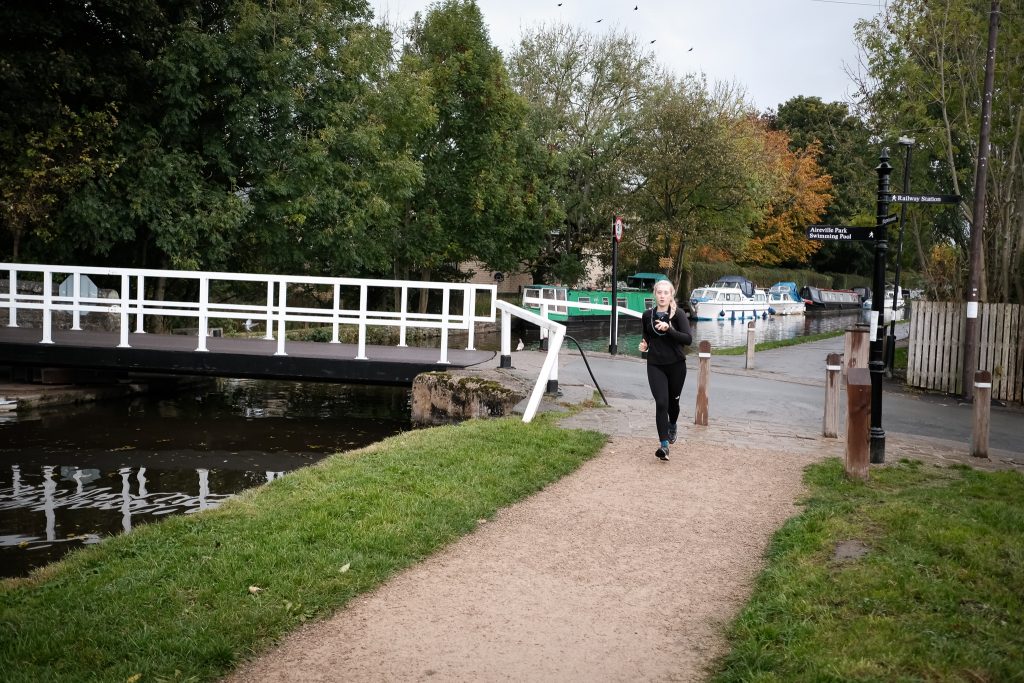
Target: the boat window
pixel 648 303
pixel 622 303
pixel 584 299
pixel 604 300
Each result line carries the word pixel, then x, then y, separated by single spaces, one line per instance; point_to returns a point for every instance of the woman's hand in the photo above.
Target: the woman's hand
pixel 643 346
pixel 661 326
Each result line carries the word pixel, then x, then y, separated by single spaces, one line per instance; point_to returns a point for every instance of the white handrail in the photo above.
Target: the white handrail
pixel 549 370
pixel 203 309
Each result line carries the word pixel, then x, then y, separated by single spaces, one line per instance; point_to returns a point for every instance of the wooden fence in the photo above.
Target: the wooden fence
pixel 936 352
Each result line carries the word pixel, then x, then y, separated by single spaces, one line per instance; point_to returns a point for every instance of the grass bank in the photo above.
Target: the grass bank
pixel 929 588
pixel 187 598
pixel 763 346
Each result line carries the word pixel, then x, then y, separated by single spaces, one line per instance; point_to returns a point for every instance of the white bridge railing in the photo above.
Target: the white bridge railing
pixel 133 302
pixel 276 312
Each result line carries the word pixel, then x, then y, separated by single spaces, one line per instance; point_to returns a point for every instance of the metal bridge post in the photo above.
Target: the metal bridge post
pixel 281 305
pixel 140 297
pixel 47 307
pixel 125 286
pixel 403 313
pixel 445 303
pixel 204 309
pixel 12 279
pixel 469 305
pixel 270 311
pixel 506 340
pixel 76 295
pixel 337 305
pixel 361 354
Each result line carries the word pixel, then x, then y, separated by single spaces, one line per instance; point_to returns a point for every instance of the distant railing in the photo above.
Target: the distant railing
pixel 554 305
pixel 132 300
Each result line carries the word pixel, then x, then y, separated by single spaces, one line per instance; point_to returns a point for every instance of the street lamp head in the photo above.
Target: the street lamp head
pixel 906 141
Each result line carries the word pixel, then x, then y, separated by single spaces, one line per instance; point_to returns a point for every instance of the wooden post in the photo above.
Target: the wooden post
pixel 830 423
pixel 750 345
pixel 700 415
pixel 858 422
pixel 855 348
pixel 982 407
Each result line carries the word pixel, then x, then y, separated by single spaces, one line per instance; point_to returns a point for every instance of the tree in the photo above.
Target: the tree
pixel 923 76
pixel 698 175
pixel 585 93
pixel 849 157
pixel 479 198
pixel 799 200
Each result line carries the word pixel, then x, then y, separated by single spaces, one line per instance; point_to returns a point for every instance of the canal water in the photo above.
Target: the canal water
pixel 73 475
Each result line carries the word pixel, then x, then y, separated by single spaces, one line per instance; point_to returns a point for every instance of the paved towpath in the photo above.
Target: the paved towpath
pixel 628 569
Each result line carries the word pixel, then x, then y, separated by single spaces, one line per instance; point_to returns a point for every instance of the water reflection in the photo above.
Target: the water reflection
pixel 72 476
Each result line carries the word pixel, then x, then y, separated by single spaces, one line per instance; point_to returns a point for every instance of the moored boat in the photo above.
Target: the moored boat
pixel 784 299
pixel 819 298
pixel 727 304
pixel 636 295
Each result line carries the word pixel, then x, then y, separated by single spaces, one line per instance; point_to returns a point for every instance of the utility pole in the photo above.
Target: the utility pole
pixel 876 364
pixel 890 347
pixel 978 222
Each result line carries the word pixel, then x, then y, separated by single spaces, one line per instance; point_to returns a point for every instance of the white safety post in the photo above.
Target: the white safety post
pixel 469 305
pixel 337 306
pixel 140 298
pixel 125 298
pixel 361 354
pixel 204 309
pixel 506 340
pixel 47 307
pixel 76 296
pixel 270 313
pixel 403 313
pixel 282 305
pixel 445 303
pixel 12 306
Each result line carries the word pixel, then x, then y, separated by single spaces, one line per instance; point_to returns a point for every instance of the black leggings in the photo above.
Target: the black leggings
pixel 666 384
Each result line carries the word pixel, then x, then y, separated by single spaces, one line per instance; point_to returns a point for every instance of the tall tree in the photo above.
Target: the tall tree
pixel 479 196
pixel 924 76
pixel 698 173
pixel 585 93
pixel 800 199
pixel 849 156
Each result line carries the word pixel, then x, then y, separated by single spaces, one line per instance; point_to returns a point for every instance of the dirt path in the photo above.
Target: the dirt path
pixel 626 570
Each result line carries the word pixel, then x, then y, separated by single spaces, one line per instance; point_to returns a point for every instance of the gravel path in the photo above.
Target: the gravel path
pixel 627 569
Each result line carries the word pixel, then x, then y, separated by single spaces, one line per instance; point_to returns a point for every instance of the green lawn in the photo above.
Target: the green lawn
pixel 187 598
pixel 937 596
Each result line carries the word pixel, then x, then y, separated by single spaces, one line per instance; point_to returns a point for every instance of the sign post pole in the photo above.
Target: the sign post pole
pixel 876 364
pixel 890 347
pixel 613 346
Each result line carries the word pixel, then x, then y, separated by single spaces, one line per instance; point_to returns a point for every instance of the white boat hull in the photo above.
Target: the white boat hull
pixel 788 307
pixel 730 311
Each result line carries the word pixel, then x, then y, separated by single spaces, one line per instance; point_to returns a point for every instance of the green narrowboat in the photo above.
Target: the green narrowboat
pixel 635 294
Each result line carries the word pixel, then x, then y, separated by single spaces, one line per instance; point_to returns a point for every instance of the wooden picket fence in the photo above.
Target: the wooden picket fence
pixel 936 347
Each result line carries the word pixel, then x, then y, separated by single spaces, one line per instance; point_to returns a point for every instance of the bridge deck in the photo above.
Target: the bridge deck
pixel 227 356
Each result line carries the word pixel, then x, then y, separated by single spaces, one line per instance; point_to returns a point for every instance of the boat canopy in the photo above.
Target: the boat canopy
pixel 738 281
pixel 789 289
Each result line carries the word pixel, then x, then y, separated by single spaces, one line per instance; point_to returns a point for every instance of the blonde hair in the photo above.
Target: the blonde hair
pixel 671 292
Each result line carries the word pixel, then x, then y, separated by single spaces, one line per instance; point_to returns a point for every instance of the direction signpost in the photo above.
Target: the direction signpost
pixel 924 198
pixel 840 232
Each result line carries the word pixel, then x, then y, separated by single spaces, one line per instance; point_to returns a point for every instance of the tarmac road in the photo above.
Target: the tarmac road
pixel 787 386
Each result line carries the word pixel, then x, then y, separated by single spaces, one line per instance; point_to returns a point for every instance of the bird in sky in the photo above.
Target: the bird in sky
pixel 636 7
pixel 599 21
pixel 654 41
pixel 690 50
pixel 559 4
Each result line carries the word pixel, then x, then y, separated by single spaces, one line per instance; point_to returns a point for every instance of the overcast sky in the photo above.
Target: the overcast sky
pixel 775 49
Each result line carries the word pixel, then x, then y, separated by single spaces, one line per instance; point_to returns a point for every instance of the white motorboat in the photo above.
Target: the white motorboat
pixel 727 304
pixel 784 299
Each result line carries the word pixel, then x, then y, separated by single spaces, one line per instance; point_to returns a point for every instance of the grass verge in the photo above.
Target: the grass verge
pixel 936 596
pixel 779 343
pixel 172 600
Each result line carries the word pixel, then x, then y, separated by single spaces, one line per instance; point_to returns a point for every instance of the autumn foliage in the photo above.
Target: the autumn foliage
pixel 799 198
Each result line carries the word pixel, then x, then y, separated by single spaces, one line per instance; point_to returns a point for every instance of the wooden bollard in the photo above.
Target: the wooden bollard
pixel 856 344
pixel 858 422
pixel 700 415
pixel 982 408
pixel 833 368
pixel 750 345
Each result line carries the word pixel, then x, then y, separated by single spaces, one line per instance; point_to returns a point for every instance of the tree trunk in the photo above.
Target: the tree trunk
pixel 424 293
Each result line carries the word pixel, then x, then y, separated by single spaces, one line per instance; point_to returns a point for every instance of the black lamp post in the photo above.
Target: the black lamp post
pixel 876 363
pixel 907 144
